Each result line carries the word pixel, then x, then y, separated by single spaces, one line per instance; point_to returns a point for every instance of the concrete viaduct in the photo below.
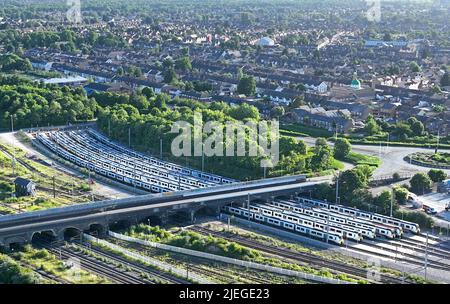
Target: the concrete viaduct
pixel 99 216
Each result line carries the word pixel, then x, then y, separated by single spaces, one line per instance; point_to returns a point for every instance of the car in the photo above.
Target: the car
pixel 429 210
pixel 447 207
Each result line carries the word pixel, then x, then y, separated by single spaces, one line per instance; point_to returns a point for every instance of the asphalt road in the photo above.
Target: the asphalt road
pixel 391 158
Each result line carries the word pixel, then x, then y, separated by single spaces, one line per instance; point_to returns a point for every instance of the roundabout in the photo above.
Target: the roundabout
pixel 430 160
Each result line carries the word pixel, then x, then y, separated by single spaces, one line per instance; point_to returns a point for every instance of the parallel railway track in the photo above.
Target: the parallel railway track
pixel 310 259
pixel 109 272
pixel 136 266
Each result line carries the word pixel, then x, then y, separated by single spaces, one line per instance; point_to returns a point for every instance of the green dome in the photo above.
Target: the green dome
pixel 356 84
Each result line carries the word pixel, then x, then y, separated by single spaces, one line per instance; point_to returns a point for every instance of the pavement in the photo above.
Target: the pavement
pixel 438 201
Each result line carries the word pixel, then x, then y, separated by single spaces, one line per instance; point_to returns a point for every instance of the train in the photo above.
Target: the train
pixel 368 229
pixel 315 233
pixel 343 230
pixel 367 216
pixel 146 173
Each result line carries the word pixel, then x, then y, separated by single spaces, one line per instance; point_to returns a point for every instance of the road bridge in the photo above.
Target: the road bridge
pixel 99 216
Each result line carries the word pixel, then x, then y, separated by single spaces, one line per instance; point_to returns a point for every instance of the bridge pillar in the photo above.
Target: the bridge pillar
pixel 164 218
pixel 192 216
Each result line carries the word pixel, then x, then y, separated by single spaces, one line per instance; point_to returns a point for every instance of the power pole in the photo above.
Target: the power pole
pixel 392 199
pixel 54 190
pixel 129 137
pixel 203 158
pixel 248 206
pixel 161 148
pixel 438 139
pixel 13 146
pixel 426 258
pixel 337 187
pixel 109 127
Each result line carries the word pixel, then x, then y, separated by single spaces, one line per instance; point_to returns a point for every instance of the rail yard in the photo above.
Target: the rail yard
pixel 351 230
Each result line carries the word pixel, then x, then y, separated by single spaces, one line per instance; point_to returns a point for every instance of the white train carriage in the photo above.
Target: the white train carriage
pixel 355 226
pixel 378 218
pixel 344 231
pixel 308 231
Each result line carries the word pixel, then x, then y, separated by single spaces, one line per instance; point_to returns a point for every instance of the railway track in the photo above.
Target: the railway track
pixel 402 243
pixel 44 274
pixel 136 266
pixel 310 259
pixel 101 269
pixel 198 269
pixel 410 258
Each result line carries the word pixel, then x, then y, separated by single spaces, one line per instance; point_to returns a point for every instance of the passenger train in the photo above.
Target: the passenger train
pixel 315 233
pixel 93 151
pixel 342 230
pixel 370 216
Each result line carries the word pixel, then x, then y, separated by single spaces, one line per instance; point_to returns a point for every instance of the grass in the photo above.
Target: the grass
pixel 42 175
pixel 42 259
pixel 362 159
pixel 219 246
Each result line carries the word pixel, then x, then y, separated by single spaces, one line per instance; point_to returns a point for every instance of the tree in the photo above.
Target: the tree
pixel 277 111
pixel 371 127
pixel 342 148
pixel 437 176
pixel 401 195
pixel 148 92
pixel 417 128
pixel 445 80
pixel 350 181
pixel 120 71
pixel 239 74
pixel 183 63
pixel 321 142
pixel 415 67
pixel 169 76
pixel 247 85
pixel 420 183
pixel 384 201
pixel 321 159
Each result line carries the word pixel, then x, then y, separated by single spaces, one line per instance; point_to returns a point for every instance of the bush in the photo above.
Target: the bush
pixel 12 273
pixel 401 194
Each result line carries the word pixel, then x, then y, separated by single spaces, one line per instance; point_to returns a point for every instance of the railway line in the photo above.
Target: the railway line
pixel 136 266
pixel 91 150
pixel 190 266
pixel 302 257
pixel 101 269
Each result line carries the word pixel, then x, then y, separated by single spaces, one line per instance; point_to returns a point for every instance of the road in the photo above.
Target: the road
pixel 391 157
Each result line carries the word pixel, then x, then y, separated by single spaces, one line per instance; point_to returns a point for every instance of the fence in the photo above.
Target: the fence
pixel 161 265
pixel 247 264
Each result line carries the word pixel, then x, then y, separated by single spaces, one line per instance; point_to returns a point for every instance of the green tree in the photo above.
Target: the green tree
pixel 420 183
pixel 437 176
pixel 371 127
pixel 401 194
pixel 183 63
pixel 148 92
pixel 415 67
pixel 384 201
pixel 445 80
pixel 342 148
pixel 277 111
pixel 247 85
